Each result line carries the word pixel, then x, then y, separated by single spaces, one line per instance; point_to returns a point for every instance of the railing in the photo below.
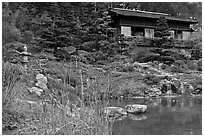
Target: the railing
pixel 144 41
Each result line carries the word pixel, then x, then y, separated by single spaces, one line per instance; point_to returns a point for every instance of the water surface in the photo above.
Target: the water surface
pixel 164 116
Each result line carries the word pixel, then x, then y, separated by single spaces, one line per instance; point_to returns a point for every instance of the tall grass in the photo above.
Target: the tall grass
pixel 63 109
pixel 11 77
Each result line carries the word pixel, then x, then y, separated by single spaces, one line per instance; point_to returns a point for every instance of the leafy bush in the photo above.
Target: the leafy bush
pixel 192 65
pixel 139 56
pixel 167 59
pixel 196 54
pixel 176 69
pixel 151 58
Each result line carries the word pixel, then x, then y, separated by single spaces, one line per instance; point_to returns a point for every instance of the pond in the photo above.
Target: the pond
pixel 165 116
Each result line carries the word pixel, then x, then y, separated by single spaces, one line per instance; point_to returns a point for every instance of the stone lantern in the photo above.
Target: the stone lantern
pixel 25 55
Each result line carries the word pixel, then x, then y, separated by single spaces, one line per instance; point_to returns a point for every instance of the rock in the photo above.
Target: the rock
pixel 137 65
pixel 70 49
pixel 136 108
pixel 198 89
pixel 121 118
pixel 137 117
pixel 114 111
pixel 41 78
pixel 82 52
pixel 36 90
pixel 41 85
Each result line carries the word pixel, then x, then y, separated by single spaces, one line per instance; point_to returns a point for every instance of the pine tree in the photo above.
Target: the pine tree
pixel 10 33
pixel 162 31
pixel 56 31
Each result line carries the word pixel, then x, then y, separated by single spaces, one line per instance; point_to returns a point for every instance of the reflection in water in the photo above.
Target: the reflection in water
pixel 137 117
pixel 164 116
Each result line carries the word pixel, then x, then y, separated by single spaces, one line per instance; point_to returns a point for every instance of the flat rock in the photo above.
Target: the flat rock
pixel 136 108
pixel 114 111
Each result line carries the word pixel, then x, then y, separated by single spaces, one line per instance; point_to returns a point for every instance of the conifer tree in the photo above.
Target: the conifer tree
pixel 162 31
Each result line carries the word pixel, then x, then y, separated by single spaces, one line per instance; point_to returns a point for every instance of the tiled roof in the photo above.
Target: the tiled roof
pixel 136 13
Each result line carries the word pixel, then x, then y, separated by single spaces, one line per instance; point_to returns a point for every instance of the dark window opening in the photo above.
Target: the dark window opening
pixel 136 31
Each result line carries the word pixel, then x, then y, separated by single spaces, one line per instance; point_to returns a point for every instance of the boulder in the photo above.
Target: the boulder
pixel 41 85
pixel 41 78
pixel 136 108
pixel 198 89
pixel 36 90
pixel 114 111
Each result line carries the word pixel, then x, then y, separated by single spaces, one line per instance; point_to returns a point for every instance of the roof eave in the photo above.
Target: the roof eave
pixel 168 18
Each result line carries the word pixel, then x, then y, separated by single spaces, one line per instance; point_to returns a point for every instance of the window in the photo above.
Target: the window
pixel 186 35
pixel 136 31
pixel 149 33
pixel 172 34
pixel 178 35
pixel 126 31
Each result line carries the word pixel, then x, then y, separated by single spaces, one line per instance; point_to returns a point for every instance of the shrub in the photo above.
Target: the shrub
pixel 139 56
pixel 151 58
pixel 191 65
pixel 167 59
pixel 180 64
pixel 196 54
pixel 176 69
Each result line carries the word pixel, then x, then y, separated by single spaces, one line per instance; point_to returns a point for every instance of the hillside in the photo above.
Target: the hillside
pixel 75 68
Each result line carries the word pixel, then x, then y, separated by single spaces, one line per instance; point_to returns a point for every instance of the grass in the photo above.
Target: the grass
pixel 77 93
pixel 68 108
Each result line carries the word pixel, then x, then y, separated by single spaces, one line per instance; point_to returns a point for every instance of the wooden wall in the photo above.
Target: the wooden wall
pixel 151 23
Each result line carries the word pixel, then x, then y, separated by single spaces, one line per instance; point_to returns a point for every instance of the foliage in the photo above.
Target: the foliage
pixel 61 109
pixel 10 33
pixel 11 77
pixel 196 54
pixel 12 88
pixel 162 31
